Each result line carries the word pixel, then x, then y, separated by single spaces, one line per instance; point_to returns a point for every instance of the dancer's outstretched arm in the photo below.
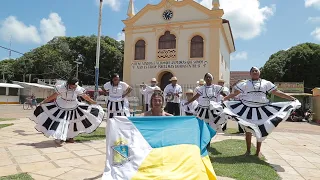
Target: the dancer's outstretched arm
pixel 128 91
pixel 232 95
pixel 193 99
pixel 106 91
pixel 50 98
pixel 282 95
pixel 88 98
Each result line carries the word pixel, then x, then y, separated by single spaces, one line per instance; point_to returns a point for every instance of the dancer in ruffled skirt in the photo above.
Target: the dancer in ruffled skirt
pixel 209 108
pixel 63 117
pixel 117 91
pixel 254 112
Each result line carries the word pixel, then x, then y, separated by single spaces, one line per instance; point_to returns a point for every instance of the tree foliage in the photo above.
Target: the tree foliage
pixel 297 64
pixel 55 60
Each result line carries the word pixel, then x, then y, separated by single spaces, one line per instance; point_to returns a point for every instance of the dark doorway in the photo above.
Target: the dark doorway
pixel 165 79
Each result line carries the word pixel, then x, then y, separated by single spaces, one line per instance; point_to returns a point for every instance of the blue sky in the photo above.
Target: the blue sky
pixel 260 27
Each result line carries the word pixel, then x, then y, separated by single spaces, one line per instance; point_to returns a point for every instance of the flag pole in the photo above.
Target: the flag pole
pixel 96 92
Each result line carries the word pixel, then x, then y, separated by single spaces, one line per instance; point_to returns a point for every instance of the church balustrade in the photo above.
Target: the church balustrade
pixel 164 54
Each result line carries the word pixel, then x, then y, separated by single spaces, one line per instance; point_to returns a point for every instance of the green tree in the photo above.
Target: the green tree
pixel 297 64
pixel 6 69
pixel 55 60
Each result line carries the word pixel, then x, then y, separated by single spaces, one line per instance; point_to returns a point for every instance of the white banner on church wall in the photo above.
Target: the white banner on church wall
pixel 174 64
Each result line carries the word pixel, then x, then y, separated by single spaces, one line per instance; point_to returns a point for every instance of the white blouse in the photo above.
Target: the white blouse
pixel 209 93
pixel 255 91
pixel 116 92
pixel 69 94
pixel 67 98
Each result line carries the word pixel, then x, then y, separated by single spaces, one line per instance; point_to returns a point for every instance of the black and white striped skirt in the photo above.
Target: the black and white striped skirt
pixel 260 119
pixel 212 114
pixel 59 123
pixel 117 109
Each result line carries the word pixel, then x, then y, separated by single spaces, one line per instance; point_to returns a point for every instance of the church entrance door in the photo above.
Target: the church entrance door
pixel 165 79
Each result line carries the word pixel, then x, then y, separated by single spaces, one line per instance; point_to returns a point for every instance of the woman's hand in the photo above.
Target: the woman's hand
pixel 88 99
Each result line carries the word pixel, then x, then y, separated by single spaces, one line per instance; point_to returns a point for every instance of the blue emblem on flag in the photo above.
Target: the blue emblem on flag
pixel 120 153
pixel 123 150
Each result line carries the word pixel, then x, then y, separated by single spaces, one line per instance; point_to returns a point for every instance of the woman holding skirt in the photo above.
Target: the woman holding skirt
pixel 63 117
pixel 117 103
pixel 254 113
pixel 209 109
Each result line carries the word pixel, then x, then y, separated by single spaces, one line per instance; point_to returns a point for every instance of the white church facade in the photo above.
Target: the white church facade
pixel 177 38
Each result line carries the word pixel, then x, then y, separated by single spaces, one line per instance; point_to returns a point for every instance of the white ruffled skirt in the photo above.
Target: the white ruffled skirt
pixel 260 118
pixel 118 108
pixel 63 123
pixel 212 114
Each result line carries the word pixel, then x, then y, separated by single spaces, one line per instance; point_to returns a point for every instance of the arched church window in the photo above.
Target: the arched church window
pixel 167 41
pixel 140 50
pixel 196 47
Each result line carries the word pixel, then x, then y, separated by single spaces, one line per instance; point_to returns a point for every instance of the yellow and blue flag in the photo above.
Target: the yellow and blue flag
pixel 166 148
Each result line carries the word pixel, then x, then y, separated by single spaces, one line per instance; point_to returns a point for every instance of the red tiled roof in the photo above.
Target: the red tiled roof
pixel 236 76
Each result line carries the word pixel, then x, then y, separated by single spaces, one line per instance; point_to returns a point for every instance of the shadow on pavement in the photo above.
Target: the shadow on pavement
pixel 42 145
pixel 93 178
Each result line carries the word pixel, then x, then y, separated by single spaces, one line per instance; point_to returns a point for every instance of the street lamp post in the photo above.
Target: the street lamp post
pixel 78 61
pixel 96 89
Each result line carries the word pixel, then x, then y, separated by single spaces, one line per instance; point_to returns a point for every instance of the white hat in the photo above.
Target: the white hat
pixel 189 91
pixel 157 89
pixel 153 80
pixel 201 81
pixel 174 78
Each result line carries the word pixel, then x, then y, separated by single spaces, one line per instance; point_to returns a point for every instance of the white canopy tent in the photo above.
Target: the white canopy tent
pixel 39 90
pixel 10 93
pixel 10 85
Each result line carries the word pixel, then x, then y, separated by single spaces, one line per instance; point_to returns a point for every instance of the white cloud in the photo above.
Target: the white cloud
pixel 51 27
pixel 120 36
pixel 314 19
pixel 316 33
pixel 21 33
pixel 239 56
pixel 246 17
pixel 114 4
pixel 4 58
pixel 312 3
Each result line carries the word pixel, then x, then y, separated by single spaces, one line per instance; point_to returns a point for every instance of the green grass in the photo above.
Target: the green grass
pixel 232 131
pixel 98 134
pixel 7 119
pixel 228 160
pixel 21 176
pixel 5 125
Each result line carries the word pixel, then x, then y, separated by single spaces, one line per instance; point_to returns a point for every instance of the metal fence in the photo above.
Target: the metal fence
pixel 140 98
pixel 136 91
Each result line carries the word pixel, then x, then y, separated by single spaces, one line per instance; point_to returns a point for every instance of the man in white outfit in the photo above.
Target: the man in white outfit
pixel 147 92
pixel 173 93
